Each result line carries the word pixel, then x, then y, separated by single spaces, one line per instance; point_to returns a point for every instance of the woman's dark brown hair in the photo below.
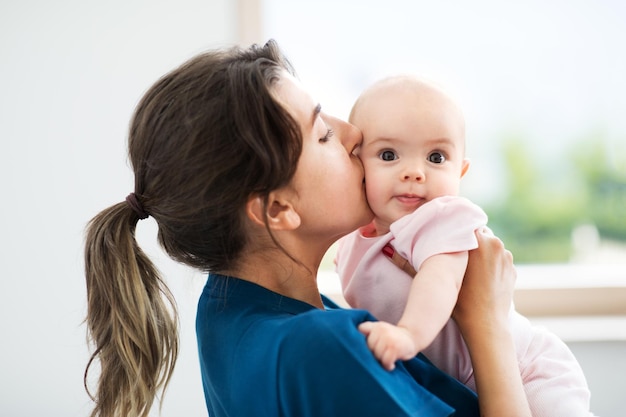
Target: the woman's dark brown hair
pixel 202 140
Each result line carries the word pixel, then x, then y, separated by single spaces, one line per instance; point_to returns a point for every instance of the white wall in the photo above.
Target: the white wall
pixel 604 366
pixel 71 73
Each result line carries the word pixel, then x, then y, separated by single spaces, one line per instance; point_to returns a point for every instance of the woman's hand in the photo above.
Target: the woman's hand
pixel 481 313
pixel 487 291
pixel 398 260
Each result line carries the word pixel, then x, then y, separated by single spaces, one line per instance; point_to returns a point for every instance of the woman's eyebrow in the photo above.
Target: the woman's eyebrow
pixel 316 111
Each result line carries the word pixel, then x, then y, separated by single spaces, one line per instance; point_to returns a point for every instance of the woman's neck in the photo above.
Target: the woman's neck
pixel 279 273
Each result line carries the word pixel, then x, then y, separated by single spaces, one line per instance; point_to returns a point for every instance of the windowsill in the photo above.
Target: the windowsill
pixel 585 328
pixel 571 290
pixel 576 302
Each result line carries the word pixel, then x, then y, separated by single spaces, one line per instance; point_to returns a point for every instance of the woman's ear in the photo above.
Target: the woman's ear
pixel 465 166
pixel 279 212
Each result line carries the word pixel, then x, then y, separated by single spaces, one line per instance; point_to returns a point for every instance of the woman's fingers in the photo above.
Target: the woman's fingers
pixel 489 281
pixel 398 260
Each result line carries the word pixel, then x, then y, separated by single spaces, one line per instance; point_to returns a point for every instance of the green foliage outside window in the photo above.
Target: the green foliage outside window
pixel 543 203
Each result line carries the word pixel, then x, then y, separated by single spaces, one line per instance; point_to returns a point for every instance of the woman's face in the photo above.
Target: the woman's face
pixel 328 183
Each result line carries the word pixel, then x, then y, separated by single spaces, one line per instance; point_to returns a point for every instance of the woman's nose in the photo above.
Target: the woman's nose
pixel 350 135
pixel 354 137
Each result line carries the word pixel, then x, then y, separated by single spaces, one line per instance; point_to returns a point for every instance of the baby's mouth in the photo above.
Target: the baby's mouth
pixel 409 197
pixel 410 200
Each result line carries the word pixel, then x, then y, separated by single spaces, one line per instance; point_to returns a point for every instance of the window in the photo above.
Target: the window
pixel 542 88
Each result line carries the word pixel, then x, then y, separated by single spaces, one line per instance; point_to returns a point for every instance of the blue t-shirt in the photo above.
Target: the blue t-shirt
pixel 264 354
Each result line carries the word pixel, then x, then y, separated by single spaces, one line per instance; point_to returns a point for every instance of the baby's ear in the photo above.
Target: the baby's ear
pixel 279 212
pixel 465 166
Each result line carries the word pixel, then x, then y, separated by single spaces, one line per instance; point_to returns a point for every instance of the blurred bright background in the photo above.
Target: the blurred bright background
pixel 541 83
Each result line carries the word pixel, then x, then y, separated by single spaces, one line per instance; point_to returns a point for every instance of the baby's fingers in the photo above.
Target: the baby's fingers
pixel 366 327
pixel 388 359
pixel 377 344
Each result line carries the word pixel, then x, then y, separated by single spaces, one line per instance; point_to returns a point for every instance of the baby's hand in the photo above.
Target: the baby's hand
pixel 388 343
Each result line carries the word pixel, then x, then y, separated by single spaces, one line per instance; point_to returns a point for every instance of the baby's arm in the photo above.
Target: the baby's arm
pixel 431 299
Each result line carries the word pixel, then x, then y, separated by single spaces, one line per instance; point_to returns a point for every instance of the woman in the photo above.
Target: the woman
pixel 249 181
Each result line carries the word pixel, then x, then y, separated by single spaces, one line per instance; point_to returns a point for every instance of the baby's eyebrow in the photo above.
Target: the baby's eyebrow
pixel 441 141
pixel 383 139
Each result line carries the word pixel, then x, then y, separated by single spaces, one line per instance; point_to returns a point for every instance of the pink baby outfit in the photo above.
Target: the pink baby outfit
pixel 553 380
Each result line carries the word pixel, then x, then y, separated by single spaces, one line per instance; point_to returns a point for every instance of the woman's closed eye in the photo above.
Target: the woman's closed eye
pixel 327 136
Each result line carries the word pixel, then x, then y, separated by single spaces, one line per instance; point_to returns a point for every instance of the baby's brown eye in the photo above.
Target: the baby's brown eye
pixel 436 158
pixel 388 156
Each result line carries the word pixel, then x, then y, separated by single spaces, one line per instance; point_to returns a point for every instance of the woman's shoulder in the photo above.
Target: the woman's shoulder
pixel 324 356
pixel 337 323
pixel 330 338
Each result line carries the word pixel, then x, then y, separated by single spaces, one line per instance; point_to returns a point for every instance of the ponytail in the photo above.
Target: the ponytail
pixel 131 317
pixel 202 139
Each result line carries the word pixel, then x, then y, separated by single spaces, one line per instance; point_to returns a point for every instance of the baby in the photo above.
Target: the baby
pixel 413 153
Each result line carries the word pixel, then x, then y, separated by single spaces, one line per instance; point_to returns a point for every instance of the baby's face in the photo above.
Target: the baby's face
pixel 413 147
